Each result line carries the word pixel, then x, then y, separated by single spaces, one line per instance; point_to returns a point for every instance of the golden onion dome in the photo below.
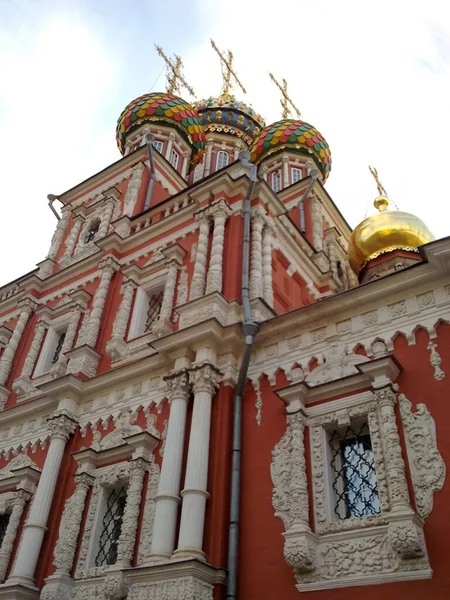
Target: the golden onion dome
pixel 385 231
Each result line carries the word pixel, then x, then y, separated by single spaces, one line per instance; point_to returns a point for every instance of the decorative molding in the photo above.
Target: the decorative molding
pixel 148 518
pixel 436 361
pixel 426 463
pixel 181 588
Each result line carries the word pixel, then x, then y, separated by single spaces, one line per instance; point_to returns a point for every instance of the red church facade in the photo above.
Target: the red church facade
pixel 121 354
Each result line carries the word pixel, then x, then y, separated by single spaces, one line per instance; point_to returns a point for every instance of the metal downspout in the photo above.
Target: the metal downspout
pixel 250 329
pixel 314 176
pixel 149 138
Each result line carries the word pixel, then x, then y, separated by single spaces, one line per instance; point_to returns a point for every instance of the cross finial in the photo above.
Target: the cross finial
pixel 285 101
pixel 228 73
pixel 175 79
pixel 380 187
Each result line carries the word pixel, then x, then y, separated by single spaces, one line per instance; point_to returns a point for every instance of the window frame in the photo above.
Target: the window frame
pixel 296 170
pixel 158 145
pixel 276 176
pixel 220 155
pixel 55 329
pixel 174 158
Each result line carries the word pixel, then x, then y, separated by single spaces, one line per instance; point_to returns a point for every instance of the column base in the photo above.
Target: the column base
pixel 57 586
pixel 19 591
pixel 83 359
pixel 4 393
pixel 187 579
pixel 189 553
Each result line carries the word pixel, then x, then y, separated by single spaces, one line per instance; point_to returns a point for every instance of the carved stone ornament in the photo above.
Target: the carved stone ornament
pixel 145 543
pixel 15 506
pixel 337 362
pixel 115 586
pixel 181 588
pixel 426 464
pixel 436 361
pixel 18 462
pixel 123 428
pixel 61 426
pixel 205 378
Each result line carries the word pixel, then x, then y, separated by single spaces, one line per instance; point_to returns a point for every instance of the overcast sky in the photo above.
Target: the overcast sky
pixel 372 76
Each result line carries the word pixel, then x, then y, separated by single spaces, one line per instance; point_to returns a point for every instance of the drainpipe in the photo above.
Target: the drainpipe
pixel 314 176
pixel 149 138
pixel 250 329
pixel 51 199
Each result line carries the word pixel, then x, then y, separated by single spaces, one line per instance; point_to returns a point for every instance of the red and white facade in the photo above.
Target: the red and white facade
pixel 105 411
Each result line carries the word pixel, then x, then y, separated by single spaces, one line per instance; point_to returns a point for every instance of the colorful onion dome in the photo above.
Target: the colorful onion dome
pixel 383 232
pixel 227 115
pixel 160 107
pixel 296 135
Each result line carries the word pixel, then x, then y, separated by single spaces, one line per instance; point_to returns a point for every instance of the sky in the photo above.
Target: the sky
pixel 373 77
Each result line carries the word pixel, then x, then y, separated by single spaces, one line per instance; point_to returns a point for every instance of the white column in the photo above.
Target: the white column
pixel 184 168
pixel 167 499
pixel 59 231
pixel 237 148
pixel 267 264
pixel 285 161
pixel 209 146
pixel 69 528
pixel 61 427
pixel 106 217
pixel 164 324
pixel 22 385
pixel 133 188
pixel 220 212
pixel 116 346
pixel 201 257
pixel 170 146
pixel 127 539
pixel 256 279
pixel 205 380
pixel 20 499
pixel 316 214
pixel 108 267
pixel 264 172
pixel 396 476
pixel 27 306
pixel 72 238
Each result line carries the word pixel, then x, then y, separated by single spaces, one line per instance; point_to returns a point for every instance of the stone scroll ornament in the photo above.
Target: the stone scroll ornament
pixel 426 464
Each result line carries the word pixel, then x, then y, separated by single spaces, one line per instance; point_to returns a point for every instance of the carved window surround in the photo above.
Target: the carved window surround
pixel 330 553
pixel 140 446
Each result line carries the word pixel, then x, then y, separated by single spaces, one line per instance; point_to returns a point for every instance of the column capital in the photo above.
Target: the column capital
pixel 21 497
pixel 109 263
pixel 61 426
pixel 259 216
pixel 203 216
pixel 220 208
pixel 205 378
pixel 28 305
pixel 385 396
pixel 179 385
pixel 84 480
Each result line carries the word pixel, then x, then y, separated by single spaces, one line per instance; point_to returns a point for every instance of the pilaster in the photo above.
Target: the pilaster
pixel 256 267
pixel 201 257
pixel 220 211
pixel 116 346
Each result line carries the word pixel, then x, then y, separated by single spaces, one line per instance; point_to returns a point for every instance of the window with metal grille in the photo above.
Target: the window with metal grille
pixel 174 159
pixel 4 521
pixel 154 308
pixel 354 479
pixel 59 345
pixel 222 160
pixel 276 181
pixel 158 146
pixel 92 231
pixel 111 527
pixel 296 175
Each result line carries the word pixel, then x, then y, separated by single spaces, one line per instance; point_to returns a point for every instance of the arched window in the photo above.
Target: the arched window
pixel 92 231
pixel 222 160
pixel 296 175
pixel 174 159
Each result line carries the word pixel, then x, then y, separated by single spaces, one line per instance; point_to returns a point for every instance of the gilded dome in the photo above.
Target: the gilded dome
pixel 227 115
pixel 166 109
pixel 385 231
pixel 296 135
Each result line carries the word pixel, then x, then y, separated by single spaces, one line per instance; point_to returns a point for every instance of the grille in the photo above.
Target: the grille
pixel 92 232
pixel 4 521
pixel 111 527
pixel 354 478
pixel 58 349
pixel 154 308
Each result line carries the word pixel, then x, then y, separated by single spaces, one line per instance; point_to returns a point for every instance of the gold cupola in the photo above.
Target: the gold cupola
pixel 384 232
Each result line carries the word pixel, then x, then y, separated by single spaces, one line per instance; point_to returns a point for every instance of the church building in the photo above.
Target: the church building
pixel 212 388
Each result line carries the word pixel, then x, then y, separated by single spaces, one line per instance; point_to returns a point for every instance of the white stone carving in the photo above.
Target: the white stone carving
pixel 17 505
pixel 148 518
pixel 18 462
pixel 256 260
pixel 23 384
pixel 220 211
pixel 316 210
pixel 60 367
pixel 71 240
pixel 426 464
pixel 132 192
pixel 123 428
pixel 116 346
pixel 201 257
pixel 183 285
pixel 436 361
pixel 267 263
pixel 181 588
pixel 337 362
pixel 27 306
pixel 163 325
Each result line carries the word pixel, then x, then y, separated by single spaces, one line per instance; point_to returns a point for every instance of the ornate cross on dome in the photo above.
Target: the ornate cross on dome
pixel 285 101
pixel 380 187
pixel 175 79
pixel 226 62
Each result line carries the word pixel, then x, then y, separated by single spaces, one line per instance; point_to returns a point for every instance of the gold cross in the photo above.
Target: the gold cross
pixel 285 101
pixel 380 187
pixel 226 62
pixel 175 79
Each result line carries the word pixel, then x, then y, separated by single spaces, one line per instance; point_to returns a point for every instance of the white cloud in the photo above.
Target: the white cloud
pixel 55 79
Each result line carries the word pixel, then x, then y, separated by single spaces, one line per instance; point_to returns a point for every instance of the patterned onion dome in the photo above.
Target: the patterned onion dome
pixel 294 135
pixel 227 115
pixel 166 109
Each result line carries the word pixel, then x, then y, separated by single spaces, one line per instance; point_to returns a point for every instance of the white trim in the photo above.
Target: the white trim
pixel 366 580
pixel 296 174
pixel 158 145
pixel 222 160
pixel 276 181
pixel 174 157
